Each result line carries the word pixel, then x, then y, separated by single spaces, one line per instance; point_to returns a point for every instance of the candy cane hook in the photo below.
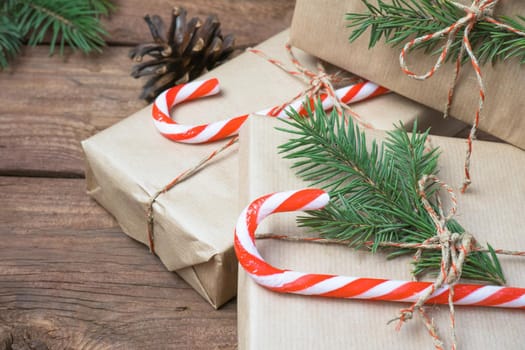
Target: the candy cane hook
pixel 192 134
pixel 287 281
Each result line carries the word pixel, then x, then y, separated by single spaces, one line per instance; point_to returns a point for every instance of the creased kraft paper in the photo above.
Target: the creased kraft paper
pixel 492 210
pixel 128 162
pixel 502 115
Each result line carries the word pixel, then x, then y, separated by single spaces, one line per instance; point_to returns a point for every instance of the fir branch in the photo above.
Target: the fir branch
pixel 373 189
pixel 10 40
pixel 71 22
pixel 75 23
pixel 400 20
pixel 102 7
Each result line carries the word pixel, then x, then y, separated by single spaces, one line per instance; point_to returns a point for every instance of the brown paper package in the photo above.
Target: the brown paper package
pixel 128 162
pixel 504 82
pixel 492 210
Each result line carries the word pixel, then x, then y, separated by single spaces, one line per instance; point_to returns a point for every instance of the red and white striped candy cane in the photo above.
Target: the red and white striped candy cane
pixel 287 281
pixel 221 129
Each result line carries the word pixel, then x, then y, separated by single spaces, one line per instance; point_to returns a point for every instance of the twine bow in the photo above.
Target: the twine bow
pixel 455 248
pixel 479 10
pixel 318 83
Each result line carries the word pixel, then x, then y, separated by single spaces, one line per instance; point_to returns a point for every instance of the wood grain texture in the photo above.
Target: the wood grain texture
pixel 35 205
pixel 251 21
pixel 53 103
pixel 70 279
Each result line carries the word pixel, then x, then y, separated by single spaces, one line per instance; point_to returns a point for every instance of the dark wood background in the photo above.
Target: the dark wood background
pixel 69 278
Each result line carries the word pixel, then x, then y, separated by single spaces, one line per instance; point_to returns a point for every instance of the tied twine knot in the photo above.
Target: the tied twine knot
pixel 318 83
pixel 479 10
pixel 181 177
pixel 455 248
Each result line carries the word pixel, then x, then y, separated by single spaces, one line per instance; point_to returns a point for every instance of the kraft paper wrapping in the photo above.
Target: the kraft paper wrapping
pixel 492 210
pixel 128 162
pixel 504 82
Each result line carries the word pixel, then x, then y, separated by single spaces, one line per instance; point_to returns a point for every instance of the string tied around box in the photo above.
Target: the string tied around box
pixel 442 291
pixel 319 83
pixel 181 177
pixel 454 247
pixel 319 86
pixel 478 11
pixel 454 250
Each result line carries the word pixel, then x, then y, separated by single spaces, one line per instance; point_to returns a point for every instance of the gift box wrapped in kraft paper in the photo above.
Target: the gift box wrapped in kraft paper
pixel 130 161
pixel 272 320
pixel 504 82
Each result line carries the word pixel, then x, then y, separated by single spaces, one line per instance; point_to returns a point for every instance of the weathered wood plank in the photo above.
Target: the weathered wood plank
pixel 50 104
pixel 34 205
pixel 252 21
pixel 70 279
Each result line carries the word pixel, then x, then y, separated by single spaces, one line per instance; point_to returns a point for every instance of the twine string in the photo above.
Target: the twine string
pixel 479 10
pixel 432 243
pixel 181 177
pixel 454 250
pixel 318 83
pixel 424 245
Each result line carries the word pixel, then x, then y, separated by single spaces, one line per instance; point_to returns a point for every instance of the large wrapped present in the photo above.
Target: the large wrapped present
pixel 129 162
pixel 271 320
pixel 504 82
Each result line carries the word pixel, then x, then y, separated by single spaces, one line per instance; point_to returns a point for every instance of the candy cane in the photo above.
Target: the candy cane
pixel 287 281
pixel 228 127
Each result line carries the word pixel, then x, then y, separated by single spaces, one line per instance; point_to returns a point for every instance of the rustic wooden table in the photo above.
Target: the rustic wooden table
pixel 69 277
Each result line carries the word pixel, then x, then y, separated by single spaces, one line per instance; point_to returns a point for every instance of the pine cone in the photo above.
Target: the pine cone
pixel 191 48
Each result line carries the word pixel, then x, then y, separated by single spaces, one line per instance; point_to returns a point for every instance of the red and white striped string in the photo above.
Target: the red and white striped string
pixel 288 281
pixel 228 127
pixel 478 11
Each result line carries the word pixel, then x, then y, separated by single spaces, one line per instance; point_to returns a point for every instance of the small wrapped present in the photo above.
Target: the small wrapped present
pixel 272 320
pixel 321 29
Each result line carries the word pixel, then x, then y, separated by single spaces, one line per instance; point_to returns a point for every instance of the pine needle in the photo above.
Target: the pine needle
pixel 75 23
pixel 401 20
pixel 374 189
pixel 10 40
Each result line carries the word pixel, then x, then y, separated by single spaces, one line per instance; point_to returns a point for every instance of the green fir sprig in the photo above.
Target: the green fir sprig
pixel 75 23
pixel 400 20
pixel 10 40
pixel 374 189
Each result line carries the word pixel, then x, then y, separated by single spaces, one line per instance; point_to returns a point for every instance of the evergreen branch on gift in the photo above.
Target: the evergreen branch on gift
pixel 75 23
pixel 374 190
pixel 401 20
